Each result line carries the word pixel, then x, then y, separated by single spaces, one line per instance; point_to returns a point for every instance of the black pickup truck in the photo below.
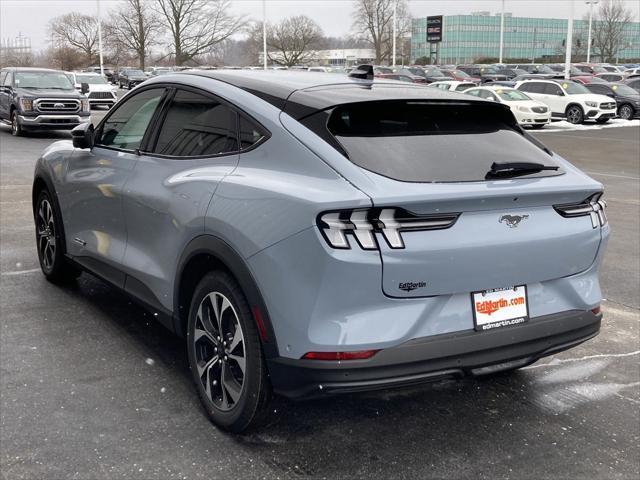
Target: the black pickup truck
pixel 40 99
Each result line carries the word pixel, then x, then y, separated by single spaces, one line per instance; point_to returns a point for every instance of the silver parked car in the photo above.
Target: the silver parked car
pixel 313 234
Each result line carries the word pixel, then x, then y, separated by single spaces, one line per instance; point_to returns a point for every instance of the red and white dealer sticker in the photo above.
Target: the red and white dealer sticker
pixel 500 307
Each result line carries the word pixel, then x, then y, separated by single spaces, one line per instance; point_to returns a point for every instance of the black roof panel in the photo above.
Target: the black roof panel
pixel 302 93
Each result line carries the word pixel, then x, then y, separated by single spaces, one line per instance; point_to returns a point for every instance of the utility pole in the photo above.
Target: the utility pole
pixel 501 33
pixel 264 33
pixel 591 4
pixel 393 60
pixel 567 55
pixel 100 39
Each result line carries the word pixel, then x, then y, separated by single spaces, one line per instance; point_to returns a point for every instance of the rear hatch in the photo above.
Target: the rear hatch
pixel 443 223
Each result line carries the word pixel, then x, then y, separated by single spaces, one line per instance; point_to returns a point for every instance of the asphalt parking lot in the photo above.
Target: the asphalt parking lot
pixel 92 388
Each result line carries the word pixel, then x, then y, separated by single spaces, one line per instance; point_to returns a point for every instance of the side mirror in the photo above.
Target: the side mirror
pixel 83 136
pixel 84 87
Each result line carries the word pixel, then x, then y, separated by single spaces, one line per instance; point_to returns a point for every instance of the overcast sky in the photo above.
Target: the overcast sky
pixel 30 17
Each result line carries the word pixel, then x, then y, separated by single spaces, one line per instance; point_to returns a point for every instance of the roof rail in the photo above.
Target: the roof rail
pixel 364 72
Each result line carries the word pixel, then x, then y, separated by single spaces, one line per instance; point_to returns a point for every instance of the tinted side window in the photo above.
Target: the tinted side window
pixel 250 133
pixel 533 87
pixel 125 128
pixel 552 89
pixel 600 89
pixel 197 125
pixel 475 93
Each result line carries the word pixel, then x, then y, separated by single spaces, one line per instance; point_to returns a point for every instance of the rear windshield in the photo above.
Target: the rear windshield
pixel 429 142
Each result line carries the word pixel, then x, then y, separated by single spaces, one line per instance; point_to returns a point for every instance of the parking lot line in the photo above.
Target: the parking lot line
pixel 580 359
pixel 612 175
pixel 590 138
pixel 20 272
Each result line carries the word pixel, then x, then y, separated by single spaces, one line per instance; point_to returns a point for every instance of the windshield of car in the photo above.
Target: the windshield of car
pixel 512 95
pixel 162 72
pixel 544 69
pixel 135 72
pixel 416 141
pixel 624 90
pixel 435 72
pixel 574 88
pixel 90 79
pixel 53 80
pixel 598 69
pixel 489 70
pixel 461 74
pixel 383 70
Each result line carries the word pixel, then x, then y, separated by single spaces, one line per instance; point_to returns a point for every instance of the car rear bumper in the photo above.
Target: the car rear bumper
pixel 433 358
pixel 53 122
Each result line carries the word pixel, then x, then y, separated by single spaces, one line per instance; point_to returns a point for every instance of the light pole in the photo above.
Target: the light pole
pixel 567 55
pixel 393 60
pixel 100 39
pixel 264 33
pixel 501 32
pixel 591 4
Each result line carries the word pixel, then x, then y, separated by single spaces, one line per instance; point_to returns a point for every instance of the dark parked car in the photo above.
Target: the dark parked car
pixel 40 99
pixel 627 99
pixel 459 75
pixel 430 74
pixel 131 78
pixel 486 73
pixel 511 72
pixel 415 78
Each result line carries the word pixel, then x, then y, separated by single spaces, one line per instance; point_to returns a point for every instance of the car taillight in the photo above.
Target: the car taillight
pixel 339 356
pixel 592 206
pixel 365 224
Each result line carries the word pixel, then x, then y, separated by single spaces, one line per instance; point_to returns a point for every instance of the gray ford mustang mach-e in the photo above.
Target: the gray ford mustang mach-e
pixel 311 234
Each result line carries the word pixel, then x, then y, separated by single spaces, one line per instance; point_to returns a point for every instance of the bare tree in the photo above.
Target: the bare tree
pixel 608 31
pixel 135 26
pixel 197 25
pixel 77 31
pixel 373 20
pixel 292 40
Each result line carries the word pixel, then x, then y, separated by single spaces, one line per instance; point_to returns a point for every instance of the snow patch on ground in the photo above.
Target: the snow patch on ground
pixel 565 126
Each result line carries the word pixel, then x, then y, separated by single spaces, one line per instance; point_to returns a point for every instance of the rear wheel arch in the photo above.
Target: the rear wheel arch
pixel 203 255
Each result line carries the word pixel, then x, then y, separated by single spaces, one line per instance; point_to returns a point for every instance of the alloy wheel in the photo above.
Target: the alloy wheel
pixel 46 234
pixel 574 115
pixel 626 112
pixel 219 351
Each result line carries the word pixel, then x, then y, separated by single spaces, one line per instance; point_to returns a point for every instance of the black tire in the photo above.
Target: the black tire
pixel 574 114
pixel 128 85
pixel 218 381
pixel 16 128
pixel 602 120
pixel 120 84
pixel 50 241
pixel 626 112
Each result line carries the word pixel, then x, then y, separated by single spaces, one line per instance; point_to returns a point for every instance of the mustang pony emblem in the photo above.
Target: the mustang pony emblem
pixel 512 221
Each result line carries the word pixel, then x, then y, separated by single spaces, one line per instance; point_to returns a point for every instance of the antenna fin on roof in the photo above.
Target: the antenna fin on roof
pixel 364 72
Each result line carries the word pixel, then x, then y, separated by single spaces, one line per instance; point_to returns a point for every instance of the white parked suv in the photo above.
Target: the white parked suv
pixel 528 112
pixel 100 91
pixel 570 100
